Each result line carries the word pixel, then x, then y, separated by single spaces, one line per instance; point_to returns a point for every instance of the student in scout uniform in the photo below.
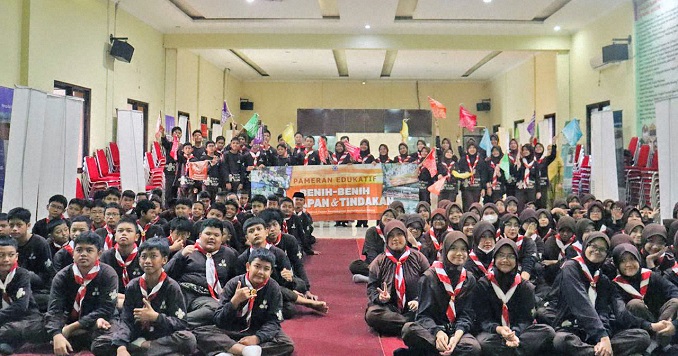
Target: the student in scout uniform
pixel 526 174
pixel 124 256
pixel 112 215
pixel 152 320
pixel 82 299
pixel 55 210
pixel 431 241
pixel 145 211
pixel 58 235
pixel 473 186
pixel 64 256
pixel 248 319
pixel 503 303
pixel 527 248
pixel 393 288
pixel 480 260
pixel 445 315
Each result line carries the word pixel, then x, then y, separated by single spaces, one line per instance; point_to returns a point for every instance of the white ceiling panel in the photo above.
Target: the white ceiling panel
pixel 224 58
pixel 294 63
pixel 257 9
pixel 478 10
pixel 501 63
pixel 439 65
pixel 365 64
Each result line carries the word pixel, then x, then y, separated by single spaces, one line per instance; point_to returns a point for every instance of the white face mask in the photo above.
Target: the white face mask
pixel 488 251
pixel 490 218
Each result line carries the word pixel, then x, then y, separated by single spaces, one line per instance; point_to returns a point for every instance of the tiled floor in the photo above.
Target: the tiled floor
pixel 326 229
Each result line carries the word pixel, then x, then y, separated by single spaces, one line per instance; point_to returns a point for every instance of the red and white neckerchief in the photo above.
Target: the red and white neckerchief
pixel 449 170
pixel 512 158
pixel 143 230
pixel 472 255
pixel 593 279
pixel 255 158
pixel 577 247
pixel 399 277
pixel 69 247
pixel 341 159
pixel 284 226
pixel 495 176
pixel 540 159
pixel 108 241
pixel 519 242
pixel 155 220
pixel 6 299
pixel 154 292
pixel 452 292
pixel 628 288
pixel 246 310
pixel 434 239
pixel 265 146
pixel 175 147
pixel 504 297
pixel 277 240
pixel 82 290
pixel 47 219
pixel 472 168
pixel 210 272
pixel 381 233
pixel 307 154
pixel 126 262
pixel 400 159
pixel 563 246
pixel 528 167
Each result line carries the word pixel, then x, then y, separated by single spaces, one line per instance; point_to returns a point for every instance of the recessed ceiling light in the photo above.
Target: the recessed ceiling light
pixel 367 27
pixel 556 28
pixel 363 83
pixel 487 1
pixel 250 1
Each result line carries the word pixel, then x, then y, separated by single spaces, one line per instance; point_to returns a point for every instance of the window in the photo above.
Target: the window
pixel 61 88
pixel 143 107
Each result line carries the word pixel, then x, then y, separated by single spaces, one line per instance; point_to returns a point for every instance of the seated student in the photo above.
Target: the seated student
pixel 217 211
pixel 257 232
pixel 197 211
pixel 431 241
pixel 511 203
pixel 123 257
pixel 231 215
pixel 634 228
pixel 82 298
pixel 445 315
pixel 587 302
pixel 453 212
pixel 180 232
pixel 57 235
pixel 273 202
pixel 206 200
pixel 96 214
pixel 503 303
pixel 34 254
pixel 247 321
pixel 555 248
pixel 529 226
pixel 393 289
pixel 55 210
pixel 75 208
pixel 480 258
pixel 654 252
pixel 424 210
pixel 373 246
pixel 527 249
pixel 545 224
pixel 257 203
pixel 201 269
pixel 152 318
pixel 221 197
pixel 147 215
pixel 112 216
pixel 291 222
pixel 4 224
pixel 20 320
pixel 64 256
pixel 182 208
pixel 308 240
pixel 490 213
pixel 127 201
pixel 647 294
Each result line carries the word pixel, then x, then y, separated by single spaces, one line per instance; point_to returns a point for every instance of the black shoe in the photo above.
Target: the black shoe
pixel 337 224
pixel 6 349
pixel 403 351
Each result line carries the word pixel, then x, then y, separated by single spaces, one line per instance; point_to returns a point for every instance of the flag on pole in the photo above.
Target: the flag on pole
pixel 252 125
pixel 323 154
pixel 437 108
pixel 353 151
pixel 505 165
pixel 288 134
pixel 158 126
pixel 405 131
pixel 572 132
pixel 466 119
pixel 486 143
pixel 430 163
pixel 259 137
pixel 530 126
pixel 436 187
pixel 225 114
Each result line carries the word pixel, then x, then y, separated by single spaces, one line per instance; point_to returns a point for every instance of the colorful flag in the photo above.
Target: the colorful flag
pixel 225 114
pixel 288 134
pixel 530 126
pixel 259 137
pixel 466 119
pixel 436 187
pixel 323 154
pixel 505 165
pixel 430 163
pixel 437 108
pixel 486 143
pixel 405 131
pixel 252 125
pixel 353 151
pixel 158 126
pixel 572 132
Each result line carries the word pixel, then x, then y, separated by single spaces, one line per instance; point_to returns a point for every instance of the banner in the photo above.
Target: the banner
pixel 6 97
pixel 345 192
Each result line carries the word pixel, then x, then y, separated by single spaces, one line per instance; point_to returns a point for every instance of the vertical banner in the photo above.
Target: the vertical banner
pixel 183 123
pixel 6 97
pixel 169 123
pixel 130 142
pixel 603 156
pixel 667 130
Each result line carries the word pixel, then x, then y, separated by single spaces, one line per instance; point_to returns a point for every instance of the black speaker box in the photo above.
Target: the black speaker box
pixel 246 105
pixel 615 53
pixel 122 51
pixel 484 106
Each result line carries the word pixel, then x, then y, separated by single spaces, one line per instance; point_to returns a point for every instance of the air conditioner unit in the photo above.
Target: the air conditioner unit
pixel 598 64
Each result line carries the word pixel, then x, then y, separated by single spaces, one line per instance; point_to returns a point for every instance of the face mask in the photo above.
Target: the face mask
pixel 490 218
pixel 488 251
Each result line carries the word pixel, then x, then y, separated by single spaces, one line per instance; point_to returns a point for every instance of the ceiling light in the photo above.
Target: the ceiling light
pixel 250 1
pixel 557 28
pixel 363 83
pixel 367 27
pixel 487 1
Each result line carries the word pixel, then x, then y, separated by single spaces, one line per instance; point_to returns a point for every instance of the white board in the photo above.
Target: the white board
pixel 216 131
pixel 603 156
pixel 545 132
pixel 523 134
pixel 130 143
pixel 667 129
pixel 183 123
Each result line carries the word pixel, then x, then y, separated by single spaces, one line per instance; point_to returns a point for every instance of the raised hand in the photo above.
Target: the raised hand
pixel 384 295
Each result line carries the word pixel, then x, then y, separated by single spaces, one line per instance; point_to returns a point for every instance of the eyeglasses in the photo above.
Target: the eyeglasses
pixel 599 249
pixel 505 256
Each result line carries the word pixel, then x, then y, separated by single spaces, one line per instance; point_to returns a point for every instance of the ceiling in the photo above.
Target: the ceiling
pixel 328 39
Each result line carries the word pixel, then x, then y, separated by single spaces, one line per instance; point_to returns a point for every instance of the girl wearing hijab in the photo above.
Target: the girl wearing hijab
pixel 511 205
pixel 586 303
pixel 365 154
pixel 451 187
pixel 655 246
pixel 424 210
pixel 496 179
pixel 480 258
pixel 635 229
pixel 445 316
pixel 555 248
pixel 514 158
pixel 647 295
pixel 453 212
pixel 543 162
pixel 527 248
pixel 373 246
pixel 398 207
pixel 383 155
pixel 431 241
pixel 472 188
pixel 403 154
pixel 468 222
pixel 393 287
pixel 419 156
pixel 503 304
pixel 582 228
pixel 526 174
pixel 340 156
pixel 596 213
pixel 490 213
pixel 545 224
pixel 529 224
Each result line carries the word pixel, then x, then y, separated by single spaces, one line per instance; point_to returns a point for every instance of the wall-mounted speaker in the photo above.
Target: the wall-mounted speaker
pixel 122 50
pixel 483 106
pixel 246 105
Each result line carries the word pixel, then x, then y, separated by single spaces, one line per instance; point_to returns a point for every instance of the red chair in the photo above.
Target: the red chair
pixel 79 190
pixel 115 156
pixel 155 174
pixel 102 162
pixel 633 147
pixel 159 156
pixel 94 181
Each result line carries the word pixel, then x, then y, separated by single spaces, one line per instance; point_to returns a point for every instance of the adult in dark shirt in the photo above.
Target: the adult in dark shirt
pixel 233 168
pixel 171 151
